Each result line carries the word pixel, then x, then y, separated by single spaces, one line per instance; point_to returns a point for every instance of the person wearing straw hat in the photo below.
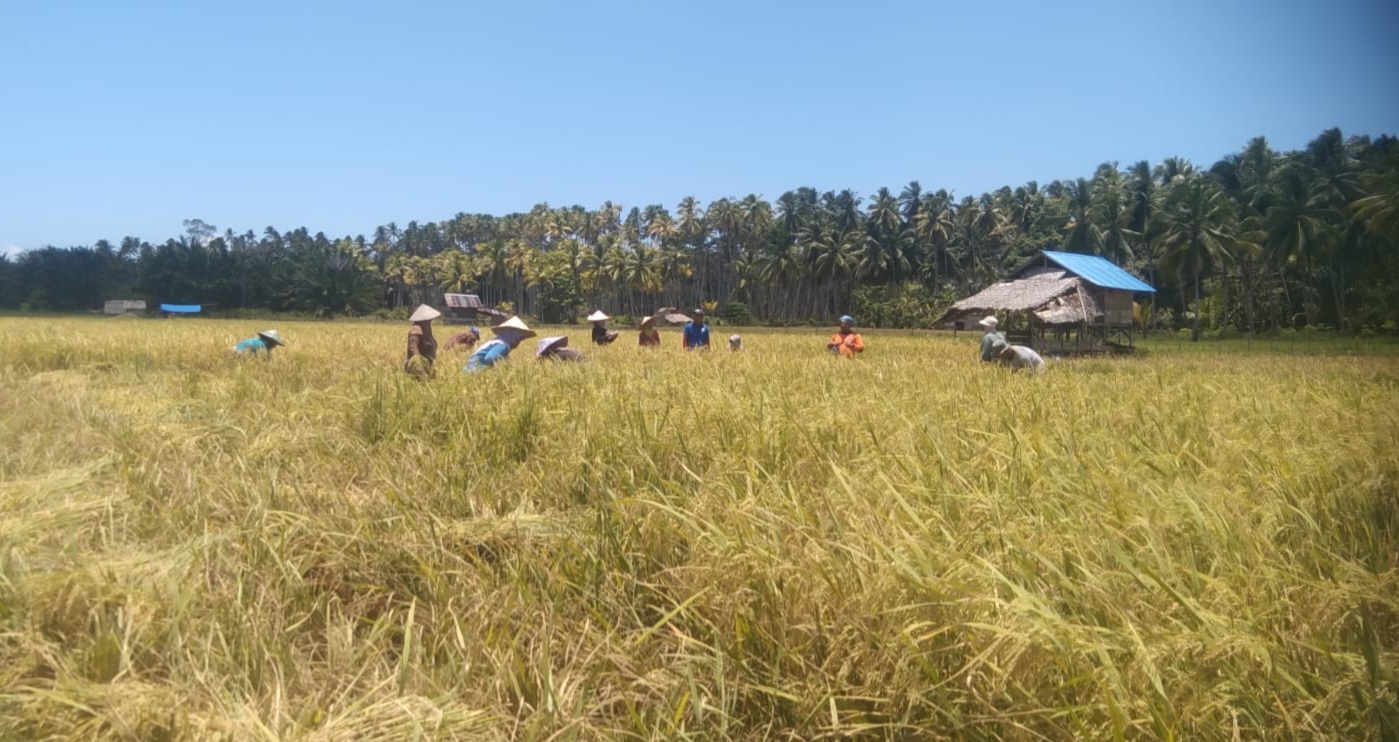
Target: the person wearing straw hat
pixel 462 340
pixel 696 333
pixel 1018 357
pixel 556 348
pixel 650 337
pixel 846 341
pixel 990 339
pixel 264 341
pixel 422 346
pixel 601 335
pixel 508 334
pixel 735 342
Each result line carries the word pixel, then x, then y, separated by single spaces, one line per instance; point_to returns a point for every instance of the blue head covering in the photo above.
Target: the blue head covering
pixel 475 331
pixel 847 318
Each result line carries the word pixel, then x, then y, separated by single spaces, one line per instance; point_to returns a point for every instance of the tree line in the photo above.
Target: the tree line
pixel 1258 240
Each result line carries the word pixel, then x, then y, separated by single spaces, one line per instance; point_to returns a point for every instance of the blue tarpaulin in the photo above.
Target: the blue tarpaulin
pixel 1099 271
pixel 181 308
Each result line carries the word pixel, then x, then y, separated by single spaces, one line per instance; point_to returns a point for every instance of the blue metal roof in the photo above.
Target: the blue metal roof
pixel 181 308
pixel 1098 271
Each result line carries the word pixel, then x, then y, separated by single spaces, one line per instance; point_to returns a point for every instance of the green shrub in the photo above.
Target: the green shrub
pixel 735 313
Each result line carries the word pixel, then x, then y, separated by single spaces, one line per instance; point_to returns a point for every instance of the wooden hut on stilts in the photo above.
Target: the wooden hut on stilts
pixel 1059 303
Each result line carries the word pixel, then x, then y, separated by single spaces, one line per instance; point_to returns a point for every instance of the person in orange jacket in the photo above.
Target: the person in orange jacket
pixel 846 342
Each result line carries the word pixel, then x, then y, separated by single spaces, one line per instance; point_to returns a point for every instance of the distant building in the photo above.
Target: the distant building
pixel 124 306
pixel 465 308
pixel 1058 302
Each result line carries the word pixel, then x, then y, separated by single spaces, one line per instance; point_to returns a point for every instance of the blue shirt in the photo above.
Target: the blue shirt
pixel 252 345
pixel 696 335
pixel 487 354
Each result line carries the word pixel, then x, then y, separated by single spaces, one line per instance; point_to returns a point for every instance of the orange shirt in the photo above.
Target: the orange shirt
pixel 850 343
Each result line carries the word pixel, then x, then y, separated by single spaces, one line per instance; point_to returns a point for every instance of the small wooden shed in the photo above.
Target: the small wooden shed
pixel 1069 303
pixel 467 308
pixel 116 307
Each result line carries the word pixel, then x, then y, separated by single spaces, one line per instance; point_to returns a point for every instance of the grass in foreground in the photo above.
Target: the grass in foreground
pixel 660 545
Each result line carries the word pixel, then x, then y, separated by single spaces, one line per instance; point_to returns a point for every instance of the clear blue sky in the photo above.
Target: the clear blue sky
pixel 125 118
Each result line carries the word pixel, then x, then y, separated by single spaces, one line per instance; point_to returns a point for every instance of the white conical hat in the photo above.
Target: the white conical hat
pixel 424 313
pixel 273 336
pixel 597 316
pixel 513 324
pixel 647 321
pixel 550 343
pixel 989 322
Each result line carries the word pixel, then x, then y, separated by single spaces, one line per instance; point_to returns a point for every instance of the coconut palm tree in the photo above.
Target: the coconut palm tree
pixel 887 252
pixel 1112 212
pixel 782 269
pixel 637 268
pixel 454 271
pixel 1082 235
pixel 1332 162
pixel 1026 206
pixel 675 272
pixel 1245 177
pixel 1379 210
pixel 1172 169
pixel 757 220
pixel 495 263
pixel 1194 230
pixel 1299 226
pixel 830 254
pixel 659 225
pixel 933 225
pixel 884 215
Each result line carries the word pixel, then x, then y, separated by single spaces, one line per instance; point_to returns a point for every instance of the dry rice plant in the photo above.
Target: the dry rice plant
pixel 658 545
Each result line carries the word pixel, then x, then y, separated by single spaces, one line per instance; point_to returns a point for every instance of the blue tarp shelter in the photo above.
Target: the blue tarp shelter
pixel 181 308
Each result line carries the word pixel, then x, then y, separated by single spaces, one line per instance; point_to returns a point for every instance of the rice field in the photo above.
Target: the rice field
pixel 774 544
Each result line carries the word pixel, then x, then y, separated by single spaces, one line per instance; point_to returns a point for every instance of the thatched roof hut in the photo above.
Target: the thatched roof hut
pixel 671 316
pixel 1071 302
pixel 1053 295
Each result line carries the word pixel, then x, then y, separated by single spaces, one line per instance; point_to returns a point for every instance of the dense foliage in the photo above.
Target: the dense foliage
pixel 1259 240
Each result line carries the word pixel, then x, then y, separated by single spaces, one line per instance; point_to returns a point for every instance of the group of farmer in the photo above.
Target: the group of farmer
pixel 422 349
pixel 422 345
pixel 995 349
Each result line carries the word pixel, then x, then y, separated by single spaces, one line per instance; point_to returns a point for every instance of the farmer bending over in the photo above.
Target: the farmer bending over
pixel 263 341
pixel 1018 357
pixel 990 339
pixel 508 334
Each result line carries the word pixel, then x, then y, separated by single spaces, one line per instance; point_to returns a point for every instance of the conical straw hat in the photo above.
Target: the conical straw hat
pixel 550 343
pixel 647 321
pixel 514 324
pixel 424 313
pixel 273 336
pixel 597 316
